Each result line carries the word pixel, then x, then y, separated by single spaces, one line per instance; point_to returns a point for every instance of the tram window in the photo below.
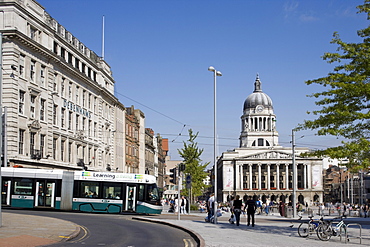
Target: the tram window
pixel 141 193
pixel 153 192
pixel 89 189
pixel 23 187
pixel 112 191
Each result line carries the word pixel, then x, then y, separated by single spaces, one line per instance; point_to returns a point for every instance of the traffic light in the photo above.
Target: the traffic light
pixel 182 167
pixel 173 175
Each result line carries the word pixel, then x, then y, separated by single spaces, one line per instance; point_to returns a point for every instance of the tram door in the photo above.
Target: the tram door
pixel 45 193
pixel 5 192
pixel 130 198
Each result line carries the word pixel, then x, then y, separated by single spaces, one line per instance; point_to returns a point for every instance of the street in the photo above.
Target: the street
pixel 116 230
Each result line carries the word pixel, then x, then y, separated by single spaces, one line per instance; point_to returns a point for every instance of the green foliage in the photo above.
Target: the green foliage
pixel 345 104
pixel 193 166
pixel 194 207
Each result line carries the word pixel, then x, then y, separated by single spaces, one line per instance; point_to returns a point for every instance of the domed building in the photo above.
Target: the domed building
pixel 260 167
pixel 258 120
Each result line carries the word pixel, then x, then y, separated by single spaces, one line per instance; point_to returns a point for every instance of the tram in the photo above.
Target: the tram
pixel 83 191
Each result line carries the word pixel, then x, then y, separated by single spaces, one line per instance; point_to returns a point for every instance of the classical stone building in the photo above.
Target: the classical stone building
pixel 260 167
pixel 59 95
pixel 61 112
pixel 161 152
pixel 151 167
pixel 134 118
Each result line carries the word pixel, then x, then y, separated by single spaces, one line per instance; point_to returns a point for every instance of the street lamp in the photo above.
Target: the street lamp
pixel 294 168
pixel 215 74
pixel 294 176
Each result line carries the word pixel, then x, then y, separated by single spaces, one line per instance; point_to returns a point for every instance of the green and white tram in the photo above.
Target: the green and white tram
pixel 84 191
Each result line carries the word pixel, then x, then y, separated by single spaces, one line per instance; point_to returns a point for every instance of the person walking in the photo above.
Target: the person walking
pixel 183 205
pixel 176 204
pixel 237 209
pixel 282 208
pixel 251 209
pixel 210 204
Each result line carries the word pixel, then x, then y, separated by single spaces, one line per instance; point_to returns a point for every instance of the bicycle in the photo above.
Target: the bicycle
pixel 310 227
pixel 325 232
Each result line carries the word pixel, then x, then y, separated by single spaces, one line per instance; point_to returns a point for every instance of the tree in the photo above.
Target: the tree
pixel 193 166
pixel 345 104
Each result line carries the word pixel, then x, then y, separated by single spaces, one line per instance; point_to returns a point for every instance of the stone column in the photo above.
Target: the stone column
pixel 268 177
pixel 287 176
pixel 305 176
pixel 259 177
pixel 277 177
pixel 236 171
pixel 241 175
pixel 250 176
pixel 309 176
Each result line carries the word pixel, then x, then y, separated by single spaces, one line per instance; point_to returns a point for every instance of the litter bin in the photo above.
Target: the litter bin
pixel 289 211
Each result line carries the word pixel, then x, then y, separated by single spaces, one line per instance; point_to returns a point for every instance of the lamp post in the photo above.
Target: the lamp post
pixel 341 186
pixel 215 74
pixel 294 167
pixel 1 121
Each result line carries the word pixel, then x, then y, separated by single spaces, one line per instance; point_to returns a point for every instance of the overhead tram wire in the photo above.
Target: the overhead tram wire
pixel 183 124
pixel 211 144
pixel 183 127
pixel 151 109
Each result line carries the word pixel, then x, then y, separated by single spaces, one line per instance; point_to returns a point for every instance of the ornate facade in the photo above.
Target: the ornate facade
pixel 59 97
pixel 262 168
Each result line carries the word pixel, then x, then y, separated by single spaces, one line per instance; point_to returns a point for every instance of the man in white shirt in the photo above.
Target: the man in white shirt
pixel 210 204
pixel 176 204
pixel 183 205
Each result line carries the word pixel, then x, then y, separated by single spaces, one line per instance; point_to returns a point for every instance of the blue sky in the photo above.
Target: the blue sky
pixel 159 52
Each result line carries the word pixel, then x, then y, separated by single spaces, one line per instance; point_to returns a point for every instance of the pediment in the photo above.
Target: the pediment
pixel 34 125
pixel 269 155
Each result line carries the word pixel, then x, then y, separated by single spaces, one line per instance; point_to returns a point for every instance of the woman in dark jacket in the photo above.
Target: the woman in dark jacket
pixel 237 208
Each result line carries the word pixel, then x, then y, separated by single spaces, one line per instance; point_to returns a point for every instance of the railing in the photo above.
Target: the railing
pixel 354 224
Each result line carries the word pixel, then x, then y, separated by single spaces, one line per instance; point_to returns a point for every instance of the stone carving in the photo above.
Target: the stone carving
pixel 270 155
pixel 80 134
pixel 34 125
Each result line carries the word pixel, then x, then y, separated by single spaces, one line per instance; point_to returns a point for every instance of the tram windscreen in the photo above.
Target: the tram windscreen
pixel 153 192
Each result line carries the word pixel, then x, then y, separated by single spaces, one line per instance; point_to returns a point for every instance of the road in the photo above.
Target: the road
pixel 117 230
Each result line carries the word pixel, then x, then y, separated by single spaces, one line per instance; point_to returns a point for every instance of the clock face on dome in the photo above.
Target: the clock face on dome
pixel 259 108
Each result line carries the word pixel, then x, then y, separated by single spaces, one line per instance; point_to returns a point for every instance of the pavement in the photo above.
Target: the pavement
pixel 20 230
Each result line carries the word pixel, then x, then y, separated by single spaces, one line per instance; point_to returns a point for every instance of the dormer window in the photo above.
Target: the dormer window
pixel 62 31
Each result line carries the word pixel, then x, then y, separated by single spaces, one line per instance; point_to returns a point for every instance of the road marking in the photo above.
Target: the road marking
pixel 85 235
pixel 188 243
